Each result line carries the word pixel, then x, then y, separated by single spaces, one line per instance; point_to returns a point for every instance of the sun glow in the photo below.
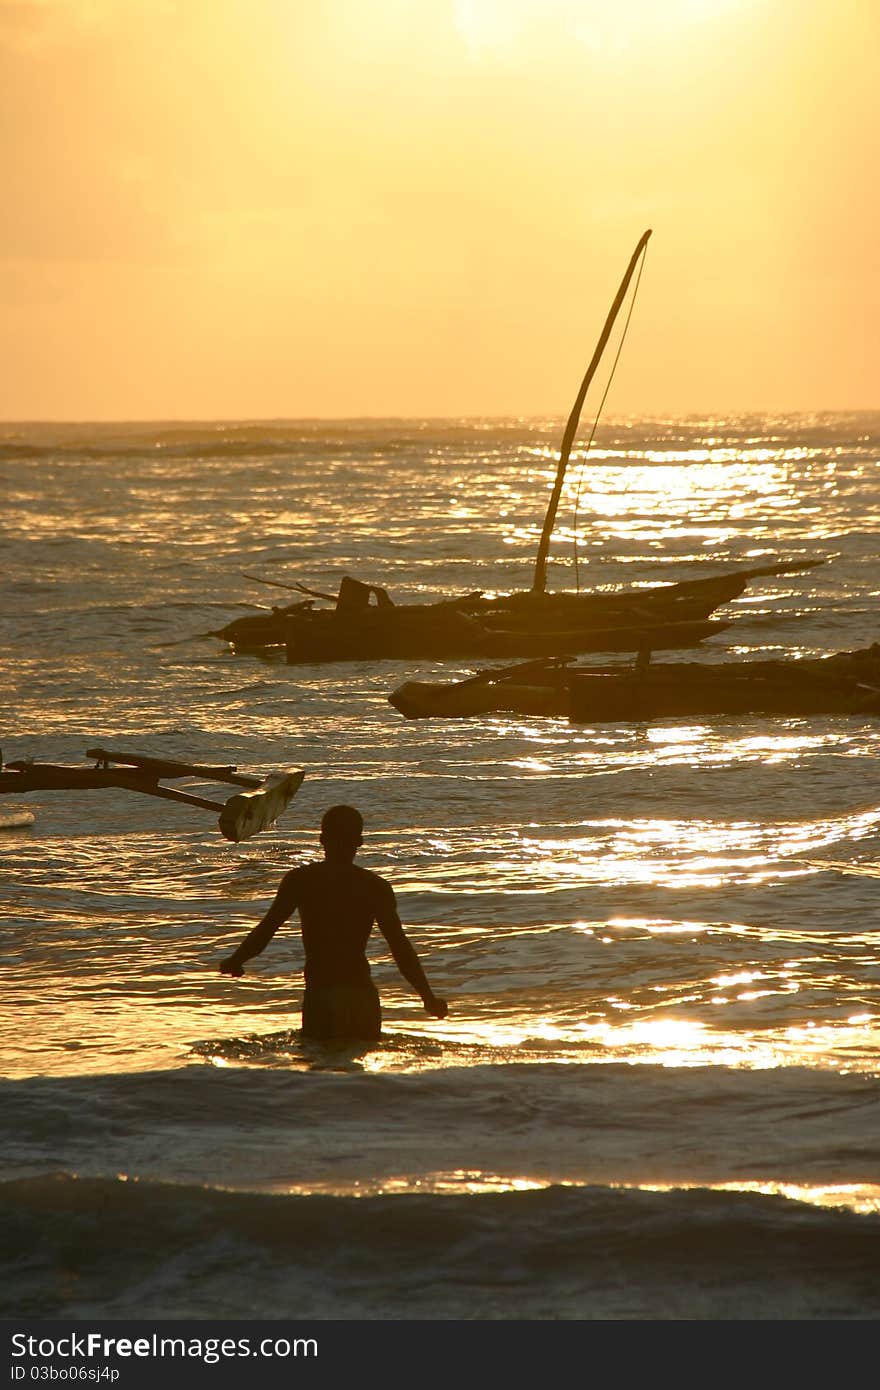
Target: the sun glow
pixel 395 209
pixel 493 27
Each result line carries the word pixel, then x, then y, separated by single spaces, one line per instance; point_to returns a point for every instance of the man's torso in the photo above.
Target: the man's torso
pixel 337 908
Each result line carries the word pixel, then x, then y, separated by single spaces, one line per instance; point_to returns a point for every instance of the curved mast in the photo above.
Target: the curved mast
pixel 539 582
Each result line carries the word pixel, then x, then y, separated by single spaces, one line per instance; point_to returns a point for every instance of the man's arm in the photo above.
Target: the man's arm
pixel 286 900
pixel 405 957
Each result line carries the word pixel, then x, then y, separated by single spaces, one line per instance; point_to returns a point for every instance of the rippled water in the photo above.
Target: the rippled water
pixel 679 919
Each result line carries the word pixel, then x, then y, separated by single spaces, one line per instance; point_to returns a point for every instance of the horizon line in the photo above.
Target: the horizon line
pixel 801 413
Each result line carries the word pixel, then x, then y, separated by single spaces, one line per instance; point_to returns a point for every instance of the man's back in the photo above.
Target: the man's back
pixel 338 904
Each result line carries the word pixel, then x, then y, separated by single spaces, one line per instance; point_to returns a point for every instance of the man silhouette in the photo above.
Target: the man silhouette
pixel 338 903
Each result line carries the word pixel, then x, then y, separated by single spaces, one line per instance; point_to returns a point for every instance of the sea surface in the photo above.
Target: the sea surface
pixel 656 1094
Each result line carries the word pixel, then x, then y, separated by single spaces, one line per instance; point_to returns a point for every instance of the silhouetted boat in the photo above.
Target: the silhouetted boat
pixel 361 626
pixel 844 683
pixel 363 622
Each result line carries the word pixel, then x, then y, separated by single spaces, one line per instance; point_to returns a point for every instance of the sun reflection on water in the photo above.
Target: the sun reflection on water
pixel 861 1198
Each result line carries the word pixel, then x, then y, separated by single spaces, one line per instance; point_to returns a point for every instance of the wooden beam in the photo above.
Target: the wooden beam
pixel 163 767
pixel 519 671
pixel 189 799
pixel 29 777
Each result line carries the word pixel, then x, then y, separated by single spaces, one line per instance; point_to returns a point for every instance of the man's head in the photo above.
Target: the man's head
pixel 341 832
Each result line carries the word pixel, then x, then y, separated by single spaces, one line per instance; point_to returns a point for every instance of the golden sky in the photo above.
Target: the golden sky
pixel 265 208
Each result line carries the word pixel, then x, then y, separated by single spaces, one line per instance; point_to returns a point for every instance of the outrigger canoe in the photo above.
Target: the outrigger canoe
pixel 365 624
pixel 846 683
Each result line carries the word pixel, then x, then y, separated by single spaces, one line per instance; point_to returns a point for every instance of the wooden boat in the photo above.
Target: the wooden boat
pixel 363 623
pixel 243 814
pixel 844 683
pixel 522 624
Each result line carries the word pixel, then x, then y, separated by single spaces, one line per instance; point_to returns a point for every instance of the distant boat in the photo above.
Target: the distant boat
pixel 365 624
pixel 357 628
pixel 16 820
pixel 844 683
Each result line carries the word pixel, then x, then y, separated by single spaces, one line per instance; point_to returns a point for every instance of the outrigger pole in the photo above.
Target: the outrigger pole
pixel 539 582
pixel 244 814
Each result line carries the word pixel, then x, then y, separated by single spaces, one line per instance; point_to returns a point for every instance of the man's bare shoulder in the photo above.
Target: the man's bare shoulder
pixel 379 894
pixel 374 881
pixel 296 877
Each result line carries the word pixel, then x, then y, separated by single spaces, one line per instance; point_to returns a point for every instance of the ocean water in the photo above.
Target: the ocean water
pixel 656 1093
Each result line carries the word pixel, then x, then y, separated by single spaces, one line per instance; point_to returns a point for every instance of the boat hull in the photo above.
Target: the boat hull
pixel 433 700
pixel 365 625
pixel 616 699
pixel 419 642
pixel 847 683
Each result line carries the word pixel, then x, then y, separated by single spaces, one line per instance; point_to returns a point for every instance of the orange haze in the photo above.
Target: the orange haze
pixel 255 208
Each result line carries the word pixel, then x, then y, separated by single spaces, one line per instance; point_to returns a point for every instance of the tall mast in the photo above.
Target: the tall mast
pixel 539 582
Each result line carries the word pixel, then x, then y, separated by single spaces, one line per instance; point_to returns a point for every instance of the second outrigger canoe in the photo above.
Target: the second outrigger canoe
pixel 845 683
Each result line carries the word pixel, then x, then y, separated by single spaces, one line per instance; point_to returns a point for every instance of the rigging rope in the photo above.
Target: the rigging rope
pixel 577 495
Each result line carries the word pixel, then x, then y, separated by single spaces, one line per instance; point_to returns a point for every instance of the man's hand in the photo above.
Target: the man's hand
pixel 437 1008
pixel 231 966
